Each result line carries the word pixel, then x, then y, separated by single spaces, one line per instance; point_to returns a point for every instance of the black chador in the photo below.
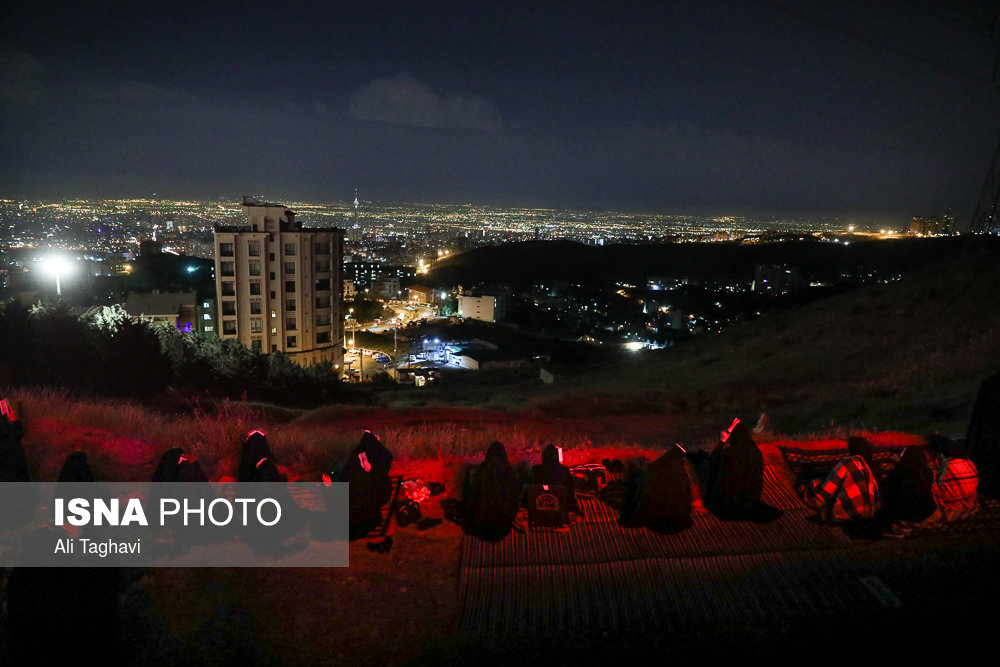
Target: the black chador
pixel 664 499
pixel 76 469
pixel 13 463
pixel 175 467
pixel 736 478
pixel 908 491
pixel 492 496
pixel 367 472
pixel 255 450
pixel 550 471
pixel 983 438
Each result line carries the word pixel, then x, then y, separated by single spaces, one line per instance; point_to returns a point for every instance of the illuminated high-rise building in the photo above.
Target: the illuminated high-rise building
pixel 279 284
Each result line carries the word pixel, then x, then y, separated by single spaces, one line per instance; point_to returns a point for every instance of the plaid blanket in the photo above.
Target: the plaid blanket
pixel 955 489
pixel 809 464
pixel 848 493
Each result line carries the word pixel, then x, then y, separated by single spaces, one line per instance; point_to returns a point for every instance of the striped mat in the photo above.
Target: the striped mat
pixel 601 576
pixel 661 594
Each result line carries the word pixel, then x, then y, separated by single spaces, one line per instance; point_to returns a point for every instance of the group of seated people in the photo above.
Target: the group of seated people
pixel 657 495
pixel 928 485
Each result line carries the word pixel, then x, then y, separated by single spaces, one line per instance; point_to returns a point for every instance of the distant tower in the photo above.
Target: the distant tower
pixel 355 232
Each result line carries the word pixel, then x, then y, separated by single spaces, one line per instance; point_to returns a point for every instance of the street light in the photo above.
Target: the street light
pixel 57 266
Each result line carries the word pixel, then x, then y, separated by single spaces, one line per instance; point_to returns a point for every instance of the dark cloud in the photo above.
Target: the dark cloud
pixel 21 78
pixel 403 100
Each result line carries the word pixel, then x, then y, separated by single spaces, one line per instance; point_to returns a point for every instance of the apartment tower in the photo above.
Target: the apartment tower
pixel 278 284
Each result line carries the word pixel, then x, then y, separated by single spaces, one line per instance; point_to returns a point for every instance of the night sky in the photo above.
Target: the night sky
pixel 701 106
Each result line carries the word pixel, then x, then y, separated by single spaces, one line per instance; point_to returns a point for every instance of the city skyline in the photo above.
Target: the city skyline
pixel 721 107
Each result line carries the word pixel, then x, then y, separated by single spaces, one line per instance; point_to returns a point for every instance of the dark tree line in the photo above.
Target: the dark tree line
pixel 103 351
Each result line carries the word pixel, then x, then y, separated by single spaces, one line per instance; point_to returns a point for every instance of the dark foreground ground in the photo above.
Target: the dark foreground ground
pixel 403 607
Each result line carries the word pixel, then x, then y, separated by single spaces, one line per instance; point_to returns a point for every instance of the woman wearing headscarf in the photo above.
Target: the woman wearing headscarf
pixel 553 473
pixel 736 478
pixel 367 472
pixel 76 469
pixel 664 501
pixel 13 463
pixel 492 496
pixel 174 466
pixel 907 490
pixel 255 449
pixel 956 485
pixel 850 492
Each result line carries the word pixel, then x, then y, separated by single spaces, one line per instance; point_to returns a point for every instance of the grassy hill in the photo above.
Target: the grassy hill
pixel 908 354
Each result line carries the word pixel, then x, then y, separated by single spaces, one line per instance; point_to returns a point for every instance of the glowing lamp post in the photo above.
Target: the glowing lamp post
pixel 58 267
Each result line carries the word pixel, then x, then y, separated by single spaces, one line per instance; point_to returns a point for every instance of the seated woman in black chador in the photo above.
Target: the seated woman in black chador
pixel 736 478
pixel 983 438
pixel 663 500
pixel 13 463
pixel 492 496
pixel 255 450
pixel 550 471
pixel 907 492
pixel 76 469
pixel 73 605
pixel 174 466
pixel 367 472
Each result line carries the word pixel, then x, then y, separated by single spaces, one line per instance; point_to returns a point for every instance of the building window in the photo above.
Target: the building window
pixel 270 256
pixel 209 328
pixel 255 289
pixel 322 320
pixel 228 268
pixel 322 302
pixel 207 317
pixel 323 337
pixel 228 308
pixel 206 304
pixel 322 284
pixel 228 288
pixel 256 326
pixel 290 323
pixel 272 275
pixel 253 248
pixel 254 268
pixel 255 345
pixel 290 268
pixel 255 306
pixel 290 286
pixel 291 341
pixel 323 249
pixel 323 266
pixel 229 328
pixel 290 249
pixel 226 250
pixel 290 305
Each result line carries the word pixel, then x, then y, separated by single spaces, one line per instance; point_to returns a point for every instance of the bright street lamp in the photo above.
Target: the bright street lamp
pixel 57 266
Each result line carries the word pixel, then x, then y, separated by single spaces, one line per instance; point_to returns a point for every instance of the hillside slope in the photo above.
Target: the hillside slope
pixel 905 355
